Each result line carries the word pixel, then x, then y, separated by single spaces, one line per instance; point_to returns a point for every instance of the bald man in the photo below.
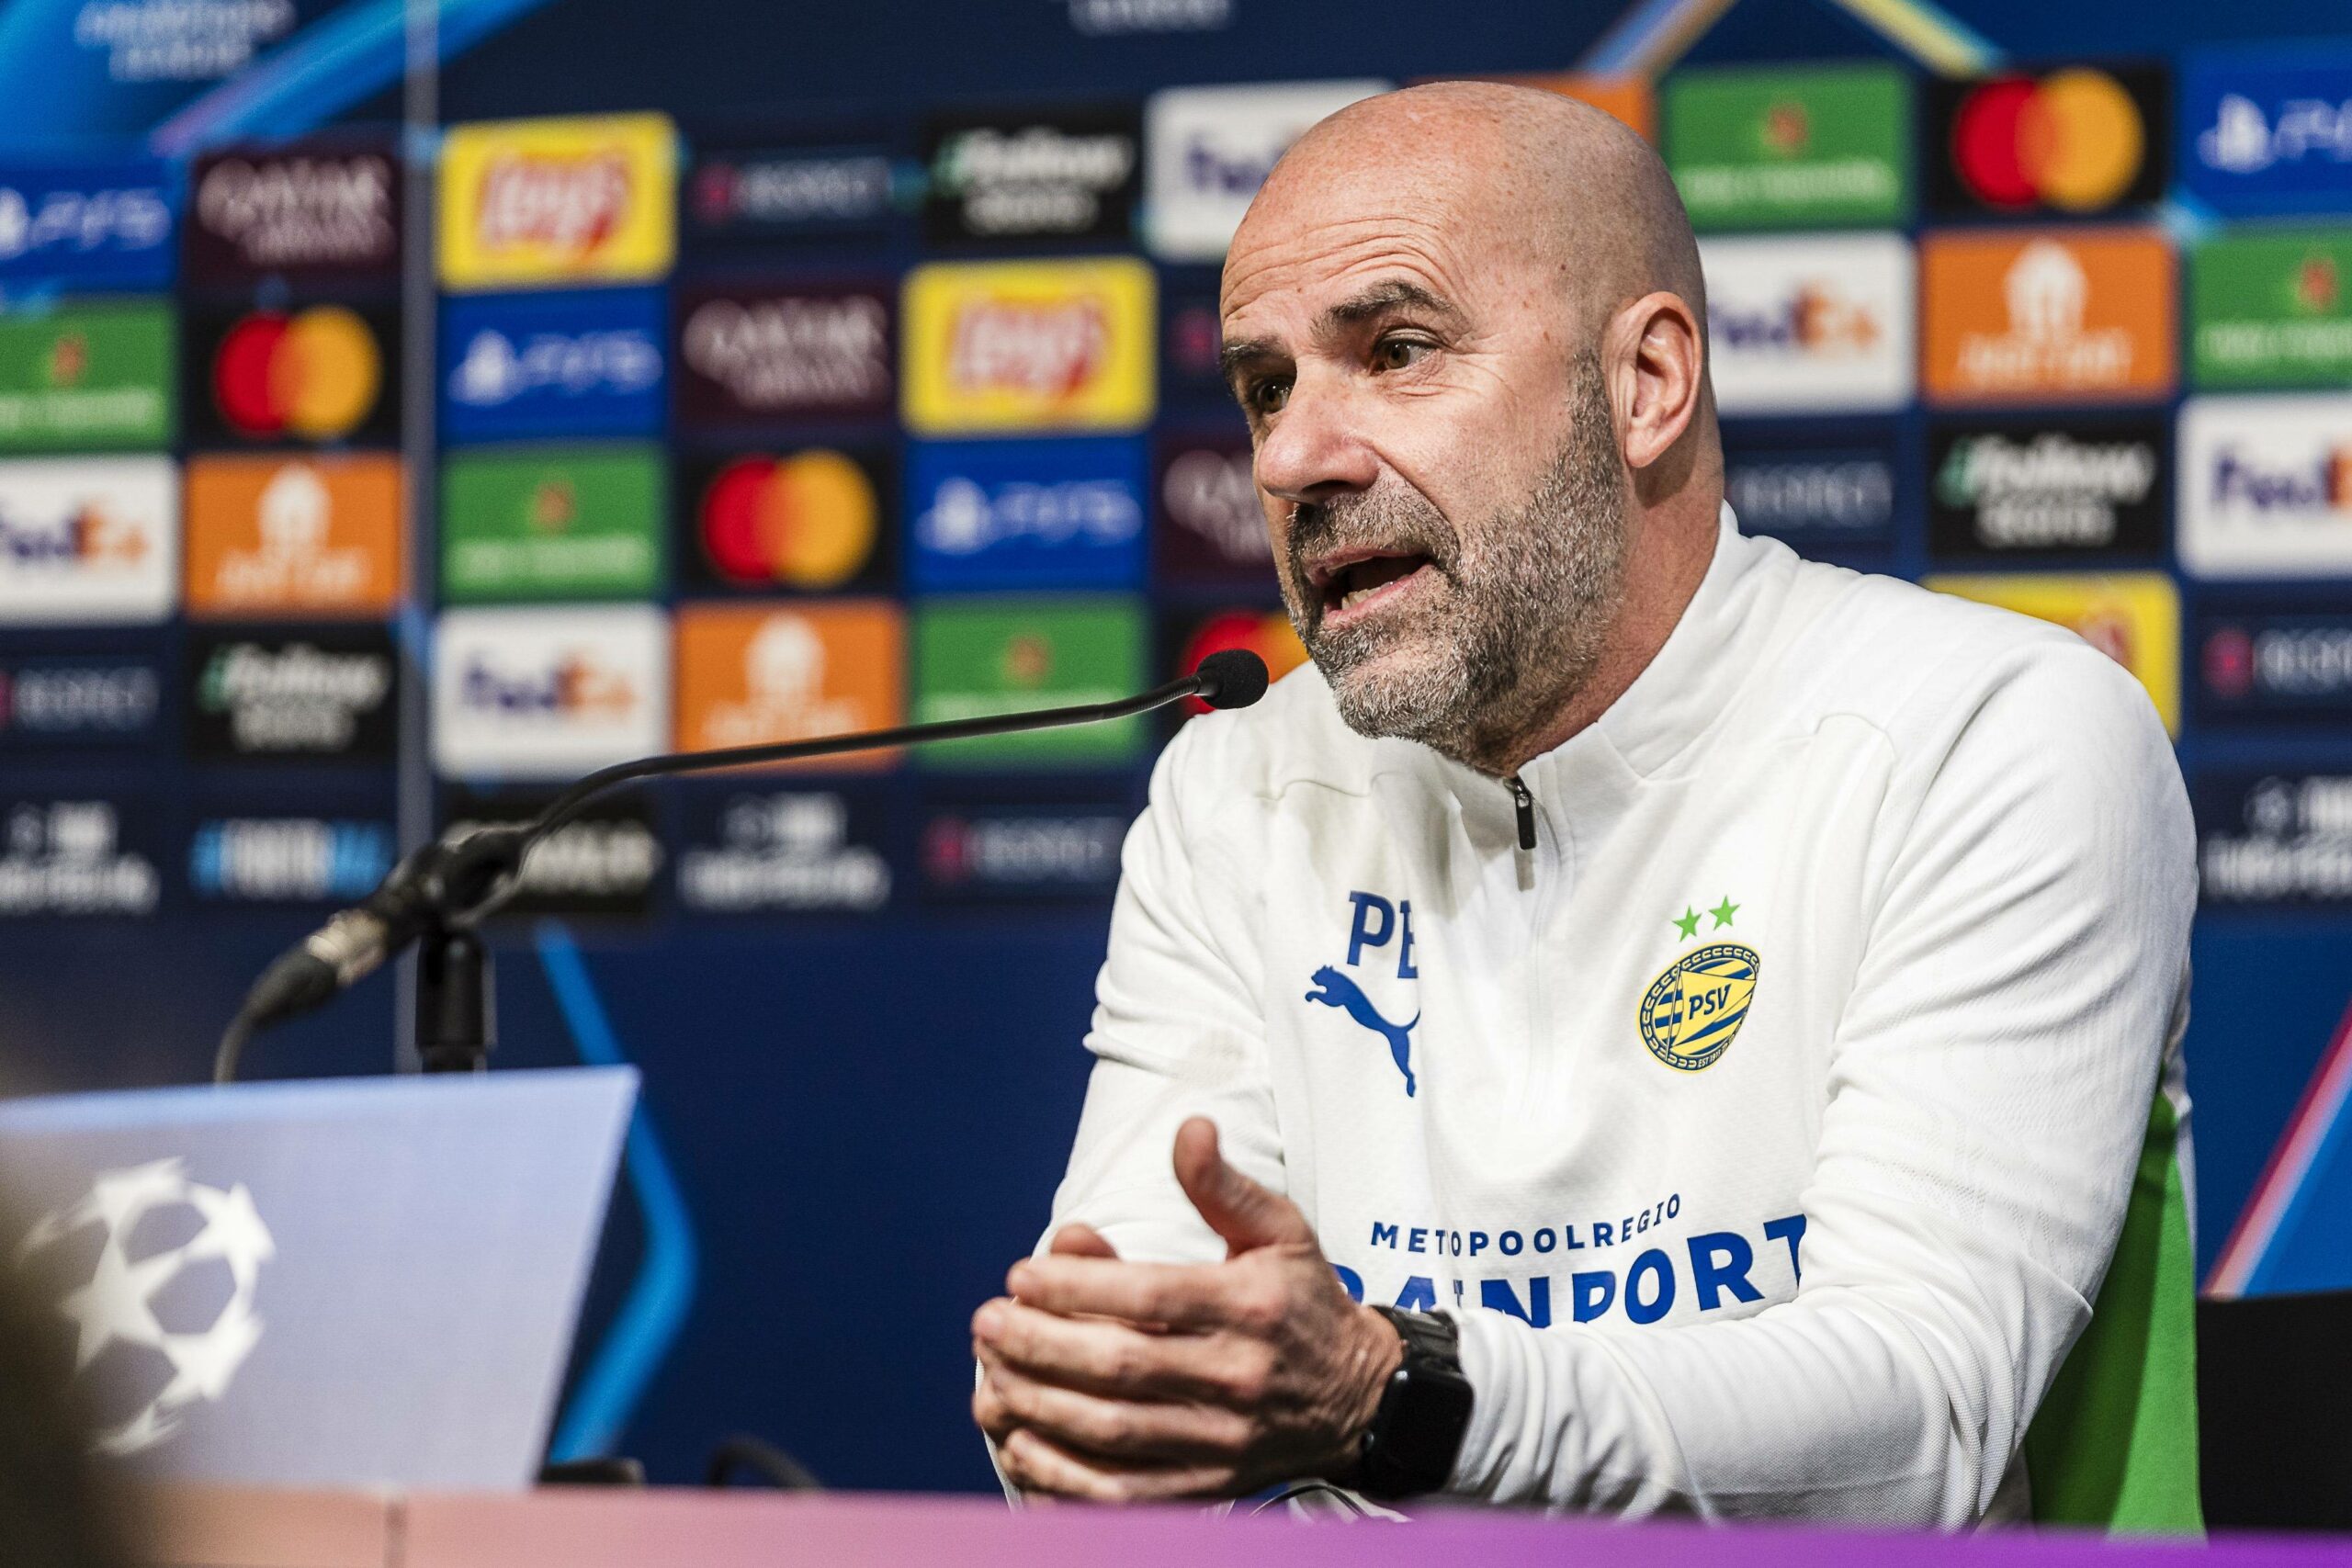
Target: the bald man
pixel 1644 1022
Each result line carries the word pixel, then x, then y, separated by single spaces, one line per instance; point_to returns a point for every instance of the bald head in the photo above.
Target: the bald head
pixel 1568 186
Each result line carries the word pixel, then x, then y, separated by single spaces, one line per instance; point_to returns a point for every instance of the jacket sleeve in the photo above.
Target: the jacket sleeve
pixel 1990 1085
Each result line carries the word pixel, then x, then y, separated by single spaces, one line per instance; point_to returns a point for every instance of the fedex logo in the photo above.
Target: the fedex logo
pixel 2323 482
pixel 1211 147
pixel 577 684
pixel 549 693
pixel 88 540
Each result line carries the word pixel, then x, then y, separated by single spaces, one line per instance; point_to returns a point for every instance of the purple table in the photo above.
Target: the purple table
pixel 696 1529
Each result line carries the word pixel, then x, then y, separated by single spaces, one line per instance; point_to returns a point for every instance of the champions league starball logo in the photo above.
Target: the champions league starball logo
pixel 164 1316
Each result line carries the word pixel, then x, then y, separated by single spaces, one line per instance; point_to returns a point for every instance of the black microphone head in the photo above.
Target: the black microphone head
pixel 1233 679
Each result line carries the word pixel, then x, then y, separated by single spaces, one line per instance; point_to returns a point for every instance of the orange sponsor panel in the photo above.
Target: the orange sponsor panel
pixel 2056 315
pixel 1626 98
pixel 757 674
pixel 294 536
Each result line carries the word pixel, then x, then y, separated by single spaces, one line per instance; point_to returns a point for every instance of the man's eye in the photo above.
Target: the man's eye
pixel 1397 353
pixel 1269 396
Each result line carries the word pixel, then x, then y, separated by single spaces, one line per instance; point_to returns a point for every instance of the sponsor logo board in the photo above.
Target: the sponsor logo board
pixel 2054 315
pixel 1210 525
pixel 80 856
pixel 983 847
pixel 762 674
pixel 550 692
pixel 2133 617
pixel 88 540
pixel 1791 148
pixel 1211 147
pixel 1189 340
pixel 982 658
pixel 49 700
pixel 2077 139
pixel 88 378
pixel 604 862
pixel 1066 514
pixel 1825 492
pixel 1626 99
pixel 563 200
pixel 1264 632
pixel 271 535
pixel 757 354
pixel 2004 488
pixel 1018 177
pixel 93 226
pixel 310 373
pixel 561 363
pixel 809 519
pixel 2268 131
pixel 2262 662
pixel 2281 837
pixel 849 190
pixel 553 522
pixel 2266 486
pixel 1007 346
pixel 281 858
pixel 2271 309
pixel 327 208
pixel 276 694
pixel 1813 324
pixel 747 850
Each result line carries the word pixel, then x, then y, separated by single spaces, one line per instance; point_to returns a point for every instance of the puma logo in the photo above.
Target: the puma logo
pixel 1334 989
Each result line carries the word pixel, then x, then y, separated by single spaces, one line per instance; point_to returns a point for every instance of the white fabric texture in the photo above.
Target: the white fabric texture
pixel 1830 1272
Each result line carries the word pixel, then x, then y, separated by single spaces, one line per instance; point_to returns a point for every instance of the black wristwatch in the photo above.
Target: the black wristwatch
pixel 1411 1446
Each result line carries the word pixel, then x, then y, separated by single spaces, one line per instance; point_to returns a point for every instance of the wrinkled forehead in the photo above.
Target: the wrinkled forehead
pixel 1325 226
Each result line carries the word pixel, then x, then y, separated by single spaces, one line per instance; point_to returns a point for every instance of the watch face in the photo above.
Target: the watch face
pixel 1417 1432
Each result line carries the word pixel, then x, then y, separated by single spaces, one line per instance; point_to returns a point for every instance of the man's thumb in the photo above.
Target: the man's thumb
pixel 1244 1213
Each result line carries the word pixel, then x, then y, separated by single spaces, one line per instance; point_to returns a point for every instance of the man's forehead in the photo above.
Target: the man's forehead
pixel 1290 280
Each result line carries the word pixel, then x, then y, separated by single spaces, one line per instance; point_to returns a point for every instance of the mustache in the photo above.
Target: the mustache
pixel 1377 519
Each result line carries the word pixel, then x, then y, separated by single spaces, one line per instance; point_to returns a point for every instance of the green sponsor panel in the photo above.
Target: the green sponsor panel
pixel 1770 149
pixel 975 658
pixel 88 378
pixel 2271 307
pixel 552 522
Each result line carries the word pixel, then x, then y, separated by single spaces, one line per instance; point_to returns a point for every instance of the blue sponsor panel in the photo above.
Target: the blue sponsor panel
pixel 2273 839
pixel 1835 493
pixel 785 844
pixel 96 225
pixel 1008 841
pixel 557 363
pixel 67 852
pixel 2262 662
pixel 996 515
pixel 283 847
pixel 2267 129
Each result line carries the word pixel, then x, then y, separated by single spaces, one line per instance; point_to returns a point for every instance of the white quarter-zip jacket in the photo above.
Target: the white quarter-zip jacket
pixel 1760 1089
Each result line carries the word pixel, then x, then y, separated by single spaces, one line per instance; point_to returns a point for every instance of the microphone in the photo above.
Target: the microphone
pixel 454 883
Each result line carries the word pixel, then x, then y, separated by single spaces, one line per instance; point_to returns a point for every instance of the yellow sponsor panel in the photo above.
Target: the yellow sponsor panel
pixel 574 200
pixel 2132 617
pixel 1028 345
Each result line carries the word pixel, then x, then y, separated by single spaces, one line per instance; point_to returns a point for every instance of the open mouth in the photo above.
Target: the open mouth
pixel 1359 579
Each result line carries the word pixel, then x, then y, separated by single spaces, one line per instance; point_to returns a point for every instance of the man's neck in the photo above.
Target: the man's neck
pixel 1668 557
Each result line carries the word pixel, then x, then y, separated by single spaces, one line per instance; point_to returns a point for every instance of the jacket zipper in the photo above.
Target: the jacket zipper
pixel 1524 804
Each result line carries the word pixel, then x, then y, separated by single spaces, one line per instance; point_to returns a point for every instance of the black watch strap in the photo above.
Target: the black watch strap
pixel 1417 1432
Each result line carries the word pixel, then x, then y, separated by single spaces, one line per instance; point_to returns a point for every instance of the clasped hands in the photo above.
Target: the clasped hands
pixel 1121 1381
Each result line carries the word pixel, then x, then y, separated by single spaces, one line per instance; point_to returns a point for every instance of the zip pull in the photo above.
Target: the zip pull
pixel 1524 804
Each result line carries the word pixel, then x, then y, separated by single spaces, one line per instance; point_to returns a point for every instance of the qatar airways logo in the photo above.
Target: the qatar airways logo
pixel 573 204
pixel 1036 348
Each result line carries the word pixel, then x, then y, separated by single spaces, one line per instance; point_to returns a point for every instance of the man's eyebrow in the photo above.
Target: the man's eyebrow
pixel 1382 298
pixel 1235 353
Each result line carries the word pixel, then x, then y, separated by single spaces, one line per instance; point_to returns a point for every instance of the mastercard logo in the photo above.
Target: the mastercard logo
pixel 315 374
pixel 1269 637
pixel 806 521
pixel 2073 140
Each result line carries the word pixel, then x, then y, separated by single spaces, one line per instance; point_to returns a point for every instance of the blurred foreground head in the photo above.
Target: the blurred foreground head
pixel 58 1509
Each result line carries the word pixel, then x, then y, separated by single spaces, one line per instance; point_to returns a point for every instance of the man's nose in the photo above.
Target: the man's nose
pixel 1315 450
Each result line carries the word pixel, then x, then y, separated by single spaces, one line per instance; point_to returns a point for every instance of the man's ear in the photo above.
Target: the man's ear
pixel 1662 375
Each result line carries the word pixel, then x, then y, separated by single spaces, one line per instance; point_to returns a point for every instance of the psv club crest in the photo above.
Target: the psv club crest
pixel 1691 1013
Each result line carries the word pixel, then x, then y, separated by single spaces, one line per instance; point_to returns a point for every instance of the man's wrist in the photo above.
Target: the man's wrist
pixel 1378 1352
pixel 1414 1438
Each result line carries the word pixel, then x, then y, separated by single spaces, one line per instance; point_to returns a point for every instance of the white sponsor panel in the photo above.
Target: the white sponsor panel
pixel 1812 324
pixel 1207 150
pixel 548 693
pixel 88 540
pixel 2266 486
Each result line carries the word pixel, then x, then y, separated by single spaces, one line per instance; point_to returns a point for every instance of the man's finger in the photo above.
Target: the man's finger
pixel 1175 1295
pixel 1100 1356
pixel 1122 1429
pixel 1080 1241
pixel 1037 1464
pixel 1246 1214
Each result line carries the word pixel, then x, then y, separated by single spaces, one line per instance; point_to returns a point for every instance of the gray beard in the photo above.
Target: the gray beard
pixel 1525 605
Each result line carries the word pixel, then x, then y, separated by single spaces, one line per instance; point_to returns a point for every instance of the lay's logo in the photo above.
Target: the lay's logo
pixel 1028 346
pixel 558 201
pixel 549 693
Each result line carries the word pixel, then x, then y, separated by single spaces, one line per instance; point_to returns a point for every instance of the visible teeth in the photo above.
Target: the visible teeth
pixel 1349 600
